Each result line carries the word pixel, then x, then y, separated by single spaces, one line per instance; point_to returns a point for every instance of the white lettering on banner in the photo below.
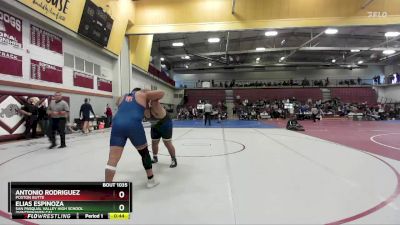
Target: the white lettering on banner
pixel 14 22
pixel 9 37
pixel 9 42
pixel 47 66
pixel 104 81
pixel 8 55
pixel 43 38
pixel 10 30
pixel 83 75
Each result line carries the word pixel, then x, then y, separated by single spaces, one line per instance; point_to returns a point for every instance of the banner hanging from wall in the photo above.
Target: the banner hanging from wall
pixel 10 29
pixel 65 12
pixel 10 64
pixel 104 85
pixel 83 80
pixel 46 72
pixel 46 40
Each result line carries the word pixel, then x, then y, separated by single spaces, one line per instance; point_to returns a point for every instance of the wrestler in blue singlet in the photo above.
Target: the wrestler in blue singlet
pixel 127 123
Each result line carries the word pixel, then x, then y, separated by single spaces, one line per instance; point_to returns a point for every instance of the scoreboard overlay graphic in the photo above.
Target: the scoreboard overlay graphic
pixel 70 200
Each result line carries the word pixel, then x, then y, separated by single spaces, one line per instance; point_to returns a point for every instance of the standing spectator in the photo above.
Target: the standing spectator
pixel 109 115
pixel 30 111
pixel 58 111
pixel 194 112
pixel 43 118
pixel 207 113
pixel 84 113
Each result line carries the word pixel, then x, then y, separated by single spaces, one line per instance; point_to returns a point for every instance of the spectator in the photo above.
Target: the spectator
pixel 30 111
pixel 43 118
pixel 109 115
pixel 84 114
pixel 194 112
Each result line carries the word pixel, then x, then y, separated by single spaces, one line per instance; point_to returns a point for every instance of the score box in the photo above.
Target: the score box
pixel 69 200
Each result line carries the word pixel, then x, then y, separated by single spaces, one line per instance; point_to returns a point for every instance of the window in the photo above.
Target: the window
pixel 97 70
pixel 79 64
pixel 88 67
pixel 68 60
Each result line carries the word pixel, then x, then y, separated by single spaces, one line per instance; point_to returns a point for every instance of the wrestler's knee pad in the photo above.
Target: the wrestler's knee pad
pixel 146 159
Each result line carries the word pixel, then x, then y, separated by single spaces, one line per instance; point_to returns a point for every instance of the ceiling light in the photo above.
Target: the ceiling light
pixel 177 44
pixel 213 40
pixel 187 67
pixel 209 64
pixel 185 57
pixel 331 31
pixel 260 49
pixel 360 62
pixel 258 59
pixel 389 51
pixel 355 50
pixel 162 59
pixel 392 34
pixel 271 33
pixel 333 60
pixel 282 58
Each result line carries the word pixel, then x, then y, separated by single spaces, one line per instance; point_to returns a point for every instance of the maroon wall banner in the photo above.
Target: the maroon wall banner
pixel 46 40
pixel 46 72
pixel 10 30
pixel 10 64
pixel 104 85
pixel 83 80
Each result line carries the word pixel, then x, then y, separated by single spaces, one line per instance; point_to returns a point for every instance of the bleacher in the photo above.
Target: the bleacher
pixel 301 94
pixel 160 74
pixel 355 94
pixel 345 94
pixel 213 95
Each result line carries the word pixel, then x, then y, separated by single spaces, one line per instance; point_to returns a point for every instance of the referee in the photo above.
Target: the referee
pixel 58 112
pixel 207 113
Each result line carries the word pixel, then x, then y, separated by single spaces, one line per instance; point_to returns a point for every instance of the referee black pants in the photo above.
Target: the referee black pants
pixel 58 124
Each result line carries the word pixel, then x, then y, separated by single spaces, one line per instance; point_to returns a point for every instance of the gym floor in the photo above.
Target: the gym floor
pixel 237 172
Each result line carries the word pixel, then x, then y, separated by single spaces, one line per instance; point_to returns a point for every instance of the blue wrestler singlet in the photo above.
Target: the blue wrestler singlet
pixel 127 123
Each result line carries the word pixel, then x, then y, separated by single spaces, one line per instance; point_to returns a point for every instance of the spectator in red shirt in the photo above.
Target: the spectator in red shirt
pixel 109 116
